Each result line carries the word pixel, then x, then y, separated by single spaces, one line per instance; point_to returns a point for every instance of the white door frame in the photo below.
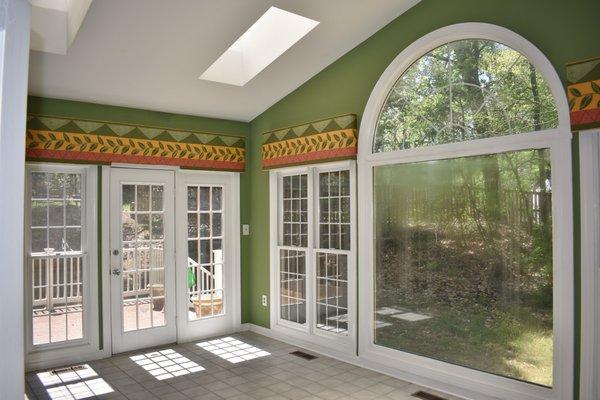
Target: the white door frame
pixel 14 59
pixel 125 341
pixel 589 156
pixel 231 320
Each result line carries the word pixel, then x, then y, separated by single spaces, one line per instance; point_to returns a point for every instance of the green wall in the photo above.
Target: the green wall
pixel 563 30
pixel 75 109
pixel 101 112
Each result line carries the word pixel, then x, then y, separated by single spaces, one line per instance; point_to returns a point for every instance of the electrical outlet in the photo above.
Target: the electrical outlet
pixel 245 229
pixel 264 300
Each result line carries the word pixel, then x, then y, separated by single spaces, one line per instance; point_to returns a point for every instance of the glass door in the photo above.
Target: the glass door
pixel 207 276
pixel 142 258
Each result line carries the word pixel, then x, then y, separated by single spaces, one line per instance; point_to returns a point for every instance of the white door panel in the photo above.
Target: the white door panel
pixel 142 258
pixel 207 254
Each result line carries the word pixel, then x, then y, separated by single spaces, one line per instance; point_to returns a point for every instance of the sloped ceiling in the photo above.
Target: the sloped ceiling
pixel 150 53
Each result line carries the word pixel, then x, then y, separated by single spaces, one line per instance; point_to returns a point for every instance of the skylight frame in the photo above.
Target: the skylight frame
pixel 274 33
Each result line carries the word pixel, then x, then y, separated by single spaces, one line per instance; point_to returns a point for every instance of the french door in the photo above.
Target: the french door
pixel 207 254
pixel 142 258
pixel 174 256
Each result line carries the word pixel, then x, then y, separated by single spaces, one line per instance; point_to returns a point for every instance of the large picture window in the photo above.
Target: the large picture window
pixel 463 254
pixel 468 253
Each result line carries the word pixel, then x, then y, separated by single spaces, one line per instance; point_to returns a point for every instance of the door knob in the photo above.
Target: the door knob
pixel 116 271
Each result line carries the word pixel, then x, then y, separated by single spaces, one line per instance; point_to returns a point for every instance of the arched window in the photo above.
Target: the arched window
pixel 464 90
pixel 465 183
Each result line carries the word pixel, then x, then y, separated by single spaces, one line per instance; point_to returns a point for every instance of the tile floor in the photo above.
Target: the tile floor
pixel 240 366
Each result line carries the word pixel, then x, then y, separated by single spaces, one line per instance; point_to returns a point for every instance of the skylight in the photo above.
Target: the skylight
pixel 268 38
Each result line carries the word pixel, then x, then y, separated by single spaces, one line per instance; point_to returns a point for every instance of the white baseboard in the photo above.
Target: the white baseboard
pixel 44 361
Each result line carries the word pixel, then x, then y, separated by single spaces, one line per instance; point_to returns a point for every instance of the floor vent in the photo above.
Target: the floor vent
pixel 67 369
pixel 426 396
pixel 302 354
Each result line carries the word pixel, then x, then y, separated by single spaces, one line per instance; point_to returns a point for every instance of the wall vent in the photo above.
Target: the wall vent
pixel 302 354
pixel 67 369
pixel 426 396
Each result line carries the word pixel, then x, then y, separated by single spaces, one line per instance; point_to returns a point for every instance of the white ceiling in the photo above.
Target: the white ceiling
pixel 149 53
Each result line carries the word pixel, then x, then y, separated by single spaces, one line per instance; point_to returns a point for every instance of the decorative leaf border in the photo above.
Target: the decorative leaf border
pixel 584 96
pixel 583 93
pixel 310 148
pixel 68 146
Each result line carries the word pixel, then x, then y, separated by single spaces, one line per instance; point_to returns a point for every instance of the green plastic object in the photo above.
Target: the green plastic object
pixel 191 277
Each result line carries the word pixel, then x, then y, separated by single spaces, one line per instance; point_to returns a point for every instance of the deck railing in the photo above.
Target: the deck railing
pixel 143 267
pixel 56 279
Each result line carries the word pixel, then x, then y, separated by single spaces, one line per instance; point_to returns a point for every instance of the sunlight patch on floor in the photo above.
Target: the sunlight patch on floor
pixel 232 350
pixel 165 364
pixel 77 382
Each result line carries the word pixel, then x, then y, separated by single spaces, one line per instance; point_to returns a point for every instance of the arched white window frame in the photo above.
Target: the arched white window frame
pixel 433 373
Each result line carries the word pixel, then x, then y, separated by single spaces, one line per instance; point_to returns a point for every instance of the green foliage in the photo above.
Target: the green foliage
pixel 468 241
pixel 464 90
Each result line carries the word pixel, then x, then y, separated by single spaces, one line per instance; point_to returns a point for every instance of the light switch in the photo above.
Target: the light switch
pixel 245 229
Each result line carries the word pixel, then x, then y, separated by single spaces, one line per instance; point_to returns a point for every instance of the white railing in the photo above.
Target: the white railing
pixel 56 279
pixel 146 268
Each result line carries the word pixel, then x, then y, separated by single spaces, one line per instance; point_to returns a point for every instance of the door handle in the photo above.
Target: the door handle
pixel 116 272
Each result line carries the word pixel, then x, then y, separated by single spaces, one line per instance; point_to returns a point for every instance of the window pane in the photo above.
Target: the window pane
pixel 39 185
pixel 128 196
pixel 143 226
pixel 334 210
pixel 216 223
pixel 468 89
pixel 332 292
pixel 143 197
pixel 56 239
pixel 56 185
pixel 217 198
pixel 192 225
pixel 292 286
pixel 38 239
pixel 73 239
pixel 73 186
pixel 57 213
pixel 157 226
pixel 463 262
pixel 73 213
pixel 39 213
pixel 205 198
pixel 204 224
pixel 205 271
pixel 157 198
pixel 205 251
pixel 192 196
pixel 295 210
